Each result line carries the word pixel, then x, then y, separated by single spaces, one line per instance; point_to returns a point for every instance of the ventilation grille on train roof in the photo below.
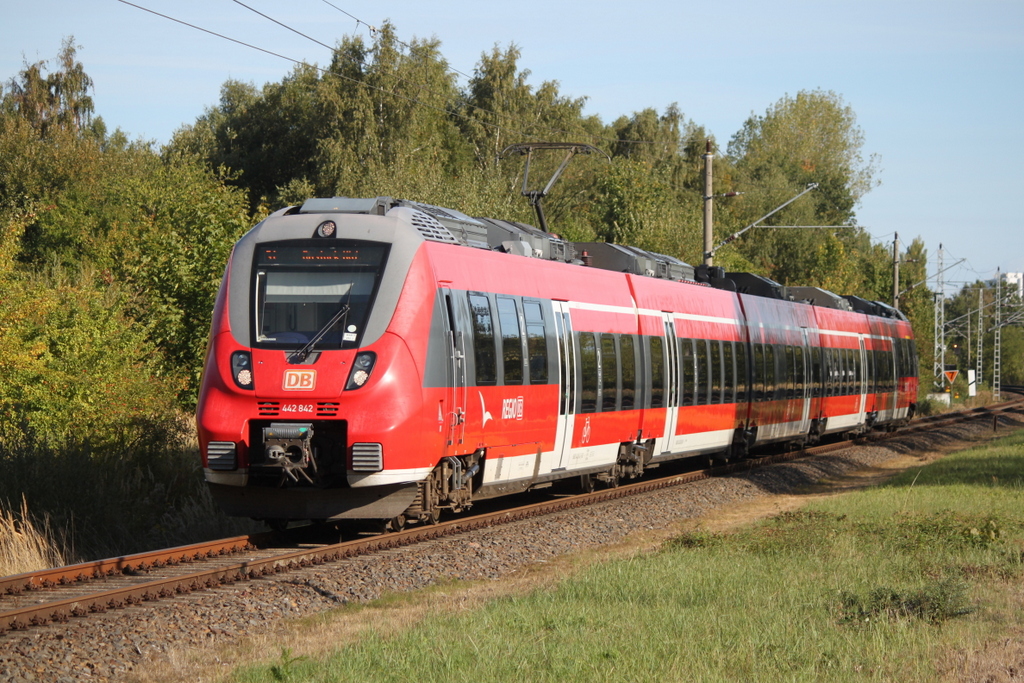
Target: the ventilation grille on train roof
pixel 431 228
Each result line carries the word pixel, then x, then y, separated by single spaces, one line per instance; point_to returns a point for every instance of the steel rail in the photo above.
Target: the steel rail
pixel 62 576
pixel 61 610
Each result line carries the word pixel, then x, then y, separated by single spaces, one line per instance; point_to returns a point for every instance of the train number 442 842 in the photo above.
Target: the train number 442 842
pixel 297 408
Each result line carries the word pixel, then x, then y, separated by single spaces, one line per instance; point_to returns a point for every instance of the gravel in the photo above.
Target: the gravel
pixel 118 645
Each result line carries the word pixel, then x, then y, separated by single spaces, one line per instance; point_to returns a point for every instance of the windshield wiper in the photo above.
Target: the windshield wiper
pixel 301 355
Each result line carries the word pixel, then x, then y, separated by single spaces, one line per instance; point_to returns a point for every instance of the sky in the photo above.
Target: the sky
pixel 937 85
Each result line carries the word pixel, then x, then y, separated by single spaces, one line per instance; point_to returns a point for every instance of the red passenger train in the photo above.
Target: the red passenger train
pixel 386 359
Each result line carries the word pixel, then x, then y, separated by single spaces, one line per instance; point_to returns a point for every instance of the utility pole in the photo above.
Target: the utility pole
pixel 996 350
pixel 708 194
pixel 896 271
pixel 981 330
pixel 939 350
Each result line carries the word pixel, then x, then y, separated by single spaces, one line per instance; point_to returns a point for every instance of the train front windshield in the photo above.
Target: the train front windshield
pixel 301 287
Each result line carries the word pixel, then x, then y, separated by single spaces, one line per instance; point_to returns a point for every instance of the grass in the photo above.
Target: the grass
pixel 898 582
pixel 111 501
pixel 27 545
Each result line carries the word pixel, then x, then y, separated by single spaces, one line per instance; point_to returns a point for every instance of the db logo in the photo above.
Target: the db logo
pixel 299 380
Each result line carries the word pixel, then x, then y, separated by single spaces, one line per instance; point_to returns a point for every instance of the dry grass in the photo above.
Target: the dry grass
pixel 25 545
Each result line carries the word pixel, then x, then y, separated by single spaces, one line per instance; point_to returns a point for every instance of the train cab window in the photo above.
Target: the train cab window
pixel 688 371
pixel 627 354
pixel 703 372
pixel 511 340
pixel 305 290
pixel 609 373
pixel 657 372
pixel 742 372
pixel 716 370
pixel 536 342
pixel 590 373
pixel 483 339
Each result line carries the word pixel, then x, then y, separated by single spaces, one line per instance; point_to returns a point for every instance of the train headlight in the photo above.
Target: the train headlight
pixel 326 229
pixel 241 369
pixel 361 369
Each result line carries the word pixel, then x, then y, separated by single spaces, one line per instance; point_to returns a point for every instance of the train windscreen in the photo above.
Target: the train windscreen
pixel 309 289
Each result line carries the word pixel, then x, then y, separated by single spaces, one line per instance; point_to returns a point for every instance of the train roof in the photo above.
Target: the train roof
pixel 437 224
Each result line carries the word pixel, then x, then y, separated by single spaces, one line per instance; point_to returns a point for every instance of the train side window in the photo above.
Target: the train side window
pixel 816 372
pixel 483 339
pixel 657 372
pixel 841 371
pixel 536 342
pixel 686 368
pixel 729 377
pixel 628 355
pixel 758 366
pixel 833 372
pixel 703 372
pixel 609 373
pixel 742 372
pixel 771 378
pixel 511 340
pixel 716 370
pixel 787 377
pixel 798 364
pixel 848 371
pixel 851 370
pixel 827 379
pixel 590 371
pixel 870 370
pixel 890 371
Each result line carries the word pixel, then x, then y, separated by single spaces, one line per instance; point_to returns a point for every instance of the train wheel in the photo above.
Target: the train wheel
pixel 587 483
pixel 395 523
pixel 432 517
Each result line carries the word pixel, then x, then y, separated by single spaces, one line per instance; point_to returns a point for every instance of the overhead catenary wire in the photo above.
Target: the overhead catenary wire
pixel 374 30
pixel 299 62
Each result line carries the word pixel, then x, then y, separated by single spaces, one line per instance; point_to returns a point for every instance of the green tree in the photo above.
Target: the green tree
pixel 810 138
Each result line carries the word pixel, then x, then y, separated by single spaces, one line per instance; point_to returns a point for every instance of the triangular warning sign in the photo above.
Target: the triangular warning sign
pixel 951 375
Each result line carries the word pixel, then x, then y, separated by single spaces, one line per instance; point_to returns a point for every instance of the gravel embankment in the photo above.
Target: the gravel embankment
pixel 119 645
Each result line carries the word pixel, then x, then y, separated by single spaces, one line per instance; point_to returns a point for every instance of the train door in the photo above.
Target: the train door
pixel 566 383
pixel 862 380
pixel 805 381
pixel 455 399
pixel 670 375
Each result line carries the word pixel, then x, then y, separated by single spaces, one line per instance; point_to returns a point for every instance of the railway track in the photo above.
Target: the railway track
pixel 56 595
